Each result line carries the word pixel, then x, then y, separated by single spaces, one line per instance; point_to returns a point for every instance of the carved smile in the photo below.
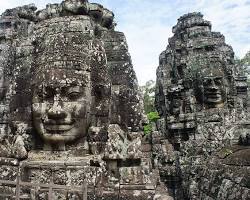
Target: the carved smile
pixel 214 98
pixel 55 126
pixel 58 127
pixel 214 95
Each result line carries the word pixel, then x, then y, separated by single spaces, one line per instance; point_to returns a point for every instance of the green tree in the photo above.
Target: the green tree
pixel 244 65
pixel 246 59
pixel 148 91
pixel 152 118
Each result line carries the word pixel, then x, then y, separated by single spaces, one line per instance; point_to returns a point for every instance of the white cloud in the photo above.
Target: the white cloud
pixel 231 18
pixel 147 25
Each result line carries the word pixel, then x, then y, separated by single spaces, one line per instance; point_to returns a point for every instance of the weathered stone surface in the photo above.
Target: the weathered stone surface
pixel 71 110
pixel 201 97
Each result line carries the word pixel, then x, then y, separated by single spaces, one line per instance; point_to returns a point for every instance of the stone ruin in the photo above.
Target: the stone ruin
pixel 72 114
pixel 71 111
pixel 202 144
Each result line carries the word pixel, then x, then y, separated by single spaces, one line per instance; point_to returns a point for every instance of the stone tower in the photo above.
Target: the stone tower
pixel 71 113
pixel 201 97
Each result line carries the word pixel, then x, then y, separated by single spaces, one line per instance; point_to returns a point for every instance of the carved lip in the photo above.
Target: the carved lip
pixel 58 127
pixel 214 99
pixel 58 122
pixel 213 95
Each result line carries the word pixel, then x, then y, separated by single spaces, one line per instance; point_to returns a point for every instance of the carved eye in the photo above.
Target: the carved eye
pixel 218 81
pixel 207 82
pixel 74 93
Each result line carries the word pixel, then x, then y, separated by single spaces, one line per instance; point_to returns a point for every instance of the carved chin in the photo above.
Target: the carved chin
pixel 58 137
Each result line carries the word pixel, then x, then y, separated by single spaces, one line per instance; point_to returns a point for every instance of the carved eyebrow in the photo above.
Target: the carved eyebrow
pixel 82 82
pixel 75 84
pixel 213 77
pixel 74 89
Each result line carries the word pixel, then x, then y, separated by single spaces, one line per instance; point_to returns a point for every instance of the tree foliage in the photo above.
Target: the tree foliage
pixel 246 59
pixel 148 91
pixel 152 117
pixel 244 65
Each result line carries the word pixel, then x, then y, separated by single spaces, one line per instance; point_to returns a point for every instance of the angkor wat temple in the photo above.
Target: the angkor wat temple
pixel 72 112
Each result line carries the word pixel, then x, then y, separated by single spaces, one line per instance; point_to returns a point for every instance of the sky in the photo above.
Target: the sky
pixel 148 24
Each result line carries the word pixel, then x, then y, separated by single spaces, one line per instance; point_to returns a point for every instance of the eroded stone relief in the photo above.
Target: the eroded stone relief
pixel 201 97
pixel 74 113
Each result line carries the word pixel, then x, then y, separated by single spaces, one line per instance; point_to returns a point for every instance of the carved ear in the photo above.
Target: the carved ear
pixel 102 95
pixel 102 91
pixel 99 70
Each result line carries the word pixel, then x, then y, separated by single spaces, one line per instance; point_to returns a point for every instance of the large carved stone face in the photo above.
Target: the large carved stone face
pixel 61 106
pixel 212 87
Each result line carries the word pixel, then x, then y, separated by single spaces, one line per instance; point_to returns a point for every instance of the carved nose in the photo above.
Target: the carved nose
pixel 56 112
pixel 56 115
pixel 213 85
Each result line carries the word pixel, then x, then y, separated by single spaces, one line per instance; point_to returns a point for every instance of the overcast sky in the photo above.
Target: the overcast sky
pixel 148 23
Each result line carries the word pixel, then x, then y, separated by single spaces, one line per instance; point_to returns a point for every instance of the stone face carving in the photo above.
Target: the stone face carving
pixel 212 87
pixel 202 103
pixel 71 112
pixel 63 92
pixel 62 115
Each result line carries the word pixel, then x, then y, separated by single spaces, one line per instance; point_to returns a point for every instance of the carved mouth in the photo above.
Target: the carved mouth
pixel 58 127
pixel 213 94
pixel 55 126
pixel 214 97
